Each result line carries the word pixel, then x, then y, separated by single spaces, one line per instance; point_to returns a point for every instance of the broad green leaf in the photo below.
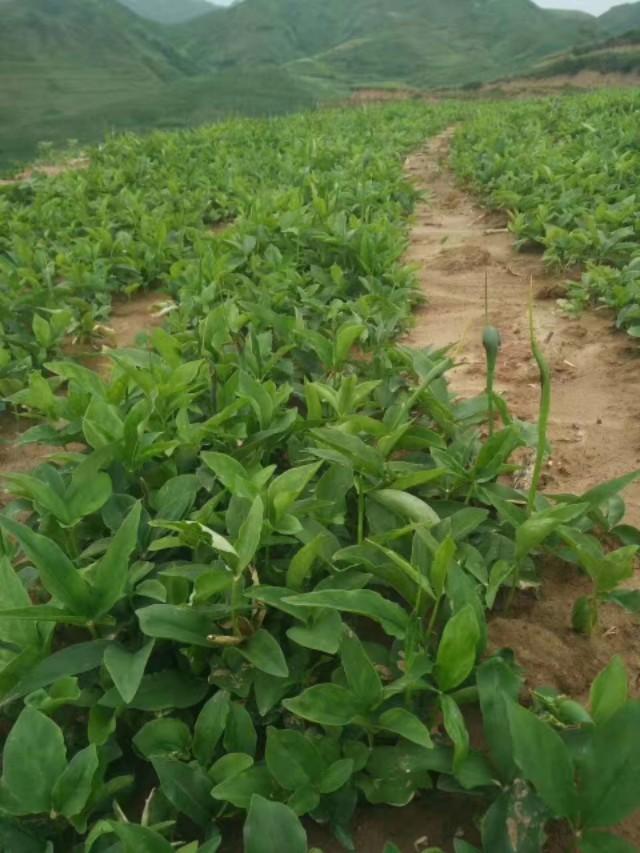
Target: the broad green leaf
pixel 140 839
pixel 417 478
pixel 72 660
pixel 176 497
pixel 322 547
pixel 209 727
pixel 286 489
pixel 407 725
pixel 325 704
pixel 161 691
pixel 250 534
pixel 89 490
pixel 410 572
pixel 544 761
pixel 74 787
pixel 272 826
pixel 337 775
pixel 363 457
pixel 406 505
pixel 536 529
pixel 240 733
pixel 127 668
pixel 292 759
pixel 609 691
pixel 457 649
pixel 601 493
pixel 346 337
pixel 20 839
pixel 41 613
pixel 323 633
pixel 515 822
pixel 456 728
pixel 33 759
pixel 13 596
pixel 63 692
pixel 102 425
pixel 238 790
pixel 610 770
pixel 58 574
pixel 365 602
pixel 186 787
pixel 110 575
pixel 182 624
pixel 442 560
pixel 164 736
pixel 40 493
pixel 498 686
pixel 231 474
pixel 264 652
pixel 230 765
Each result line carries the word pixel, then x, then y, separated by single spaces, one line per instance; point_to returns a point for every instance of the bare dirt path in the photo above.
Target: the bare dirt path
pixel 595 423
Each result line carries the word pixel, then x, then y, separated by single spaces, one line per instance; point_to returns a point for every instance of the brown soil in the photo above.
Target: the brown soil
pixel 583 80
pixel 431 821
pixel 48 170
pixel 594 426
pixel 594 429
pixel 371 96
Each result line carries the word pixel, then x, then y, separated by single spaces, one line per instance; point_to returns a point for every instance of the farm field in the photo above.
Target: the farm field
pixel 290 567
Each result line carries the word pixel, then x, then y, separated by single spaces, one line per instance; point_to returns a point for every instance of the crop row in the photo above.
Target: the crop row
pixel 263 587
pixel 569 171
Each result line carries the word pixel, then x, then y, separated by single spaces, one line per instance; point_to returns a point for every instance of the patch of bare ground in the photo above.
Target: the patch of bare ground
pixel 130 318
pixel 582 80
pixel 594 426
pixel 371 96
pixel 434 820
pixel 48 170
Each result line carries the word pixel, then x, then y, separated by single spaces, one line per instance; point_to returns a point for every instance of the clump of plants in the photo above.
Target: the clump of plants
pixel 261 590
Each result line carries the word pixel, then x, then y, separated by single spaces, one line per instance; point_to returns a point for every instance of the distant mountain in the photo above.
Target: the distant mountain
pixel 419 42
pixel 621 19
pixel 81 68
pixel 168 11
pixel 90 35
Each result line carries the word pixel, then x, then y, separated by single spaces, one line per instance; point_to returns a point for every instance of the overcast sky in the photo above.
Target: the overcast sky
pixel 596 7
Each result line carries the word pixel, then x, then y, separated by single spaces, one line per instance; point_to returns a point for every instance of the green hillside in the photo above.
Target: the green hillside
pixel 622 18
pixel 80 68
pixel 168 11
pixel 418 42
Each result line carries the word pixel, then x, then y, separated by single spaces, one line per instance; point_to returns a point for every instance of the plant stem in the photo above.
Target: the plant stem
pixel 433 617
pixel 360 512
pixel 545 407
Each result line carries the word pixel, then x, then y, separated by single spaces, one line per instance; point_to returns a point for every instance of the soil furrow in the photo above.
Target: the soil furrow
pixel 594 426
pixel 595 423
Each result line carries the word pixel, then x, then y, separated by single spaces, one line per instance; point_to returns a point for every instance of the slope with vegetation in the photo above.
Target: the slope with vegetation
pixel 257 581
pixel 81 68
pixel 371 41
pixel 621 19
pixel 168 11
pixel 72 69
